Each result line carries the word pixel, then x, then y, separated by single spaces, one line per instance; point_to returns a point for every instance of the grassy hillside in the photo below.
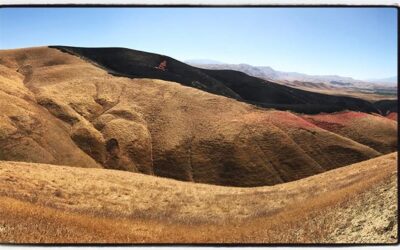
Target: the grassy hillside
pixel 369 130
pixel 272 95
pixel 47 203
pixel 60 109
pixel 229 83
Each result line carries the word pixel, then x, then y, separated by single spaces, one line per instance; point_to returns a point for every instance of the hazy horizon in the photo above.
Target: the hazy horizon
pixel 353 42
pixel 211 61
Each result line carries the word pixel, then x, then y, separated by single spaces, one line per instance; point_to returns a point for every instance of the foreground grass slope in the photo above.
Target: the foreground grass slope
pixel 47 203
pixel 59 109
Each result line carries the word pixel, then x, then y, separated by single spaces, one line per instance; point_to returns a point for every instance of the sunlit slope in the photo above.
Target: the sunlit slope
pixel 84 116
pixel 47 203
pixel 392 116
pixel 372 130
pixel 28 132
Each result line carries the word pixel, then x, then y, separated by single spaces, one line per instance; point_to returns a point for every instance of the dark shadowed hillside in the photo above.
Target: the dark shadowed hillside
pixel 229 83
pixel 139 64
pixel 386 106
pixel 272 95
pixel 60 109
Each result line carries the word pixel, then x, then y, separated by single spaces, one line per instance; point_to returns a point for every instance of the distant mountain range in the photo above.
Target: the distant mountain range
pixel 268 73
pixel 389 80
pixel 203 61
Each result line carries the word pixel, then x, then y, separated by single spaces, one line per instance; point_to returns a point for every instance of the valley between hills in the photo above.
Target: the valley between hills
pixel 111 145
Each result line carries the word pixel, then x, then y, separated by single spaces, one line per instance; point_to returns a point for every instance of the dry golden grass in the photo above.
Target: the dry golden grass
pixel 354 124
pixel 58 109
pixel 44 203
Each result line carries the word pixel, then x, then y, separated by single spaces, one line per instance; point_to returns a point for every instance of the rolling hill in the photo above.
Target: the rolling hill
pixel 229 83
pixel 59 204
pixel 325 84
pixel 66 109
pixel 351 125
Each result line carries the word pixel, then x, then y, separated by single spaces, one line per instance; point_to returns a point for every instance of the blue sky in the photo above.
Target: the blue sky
pixel 356 42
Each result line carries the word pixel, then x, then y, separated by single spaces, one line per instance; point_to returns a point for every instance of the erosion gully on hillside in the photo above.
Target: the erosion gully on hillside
pixel 67 109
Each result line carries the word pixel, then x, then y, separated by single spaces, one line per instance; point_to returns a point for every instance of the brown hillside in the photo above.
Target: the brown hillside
pixel 392 116
pixel 28 132
pixel 374 131
pixel 47 203
pixel 63 110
